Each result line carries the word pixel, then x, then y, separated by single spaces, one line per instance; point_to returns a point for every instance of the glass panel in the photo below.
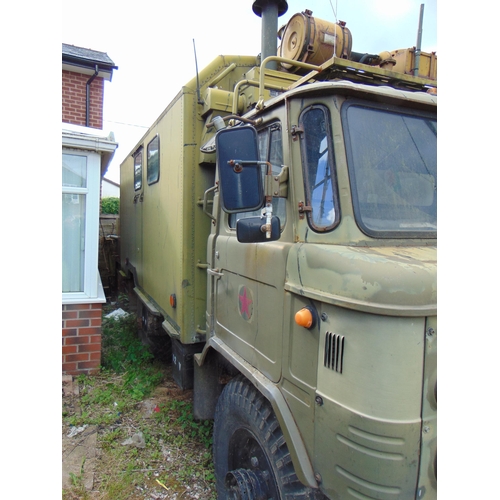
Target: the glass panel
pixel 270 149
pixel 73 242
pixel 138 171
pixel 74 171
pixel 153 160
pixel 276 159
pixel 321 187
pixel 393 171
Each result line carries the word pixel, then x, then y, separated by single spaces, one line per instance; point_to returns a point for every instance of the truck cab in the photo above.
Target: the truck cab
pixel 338 309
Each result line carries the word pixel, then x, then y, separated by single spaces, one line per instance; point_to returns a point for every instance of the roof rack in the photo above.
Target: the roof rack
pixel 343 69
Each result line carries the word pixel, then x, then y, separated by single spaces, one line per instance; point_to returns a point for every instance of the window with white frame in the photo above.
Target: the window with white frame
pixel 80 226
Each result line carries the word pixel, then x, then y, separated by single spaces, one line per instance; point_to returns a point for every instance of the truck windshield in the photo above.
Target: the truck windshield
pixel 392 168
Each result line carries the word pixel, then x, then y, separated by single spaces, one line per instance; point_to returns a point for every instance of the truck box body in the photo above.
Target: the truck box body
pixel 165 222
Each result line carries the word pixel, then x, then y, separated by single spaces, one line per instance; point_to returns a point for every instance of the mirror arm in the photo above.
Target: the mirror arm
pixel 268 193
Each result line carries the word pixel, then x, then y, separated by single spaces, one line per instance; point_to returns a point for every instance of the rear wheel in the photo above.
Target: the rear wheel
pixel 152 334
pixel 251 457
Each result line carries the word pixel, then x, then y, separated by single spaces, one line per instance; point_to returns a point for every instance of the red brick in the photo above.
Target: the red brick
pixel 69 332
pixel 76 340
pixel 77 323
pixel 95 356
pixel 70 314
pixel 93 313
pixel 96 322
pixel 89 348
pixel 73 307
pixel 78 357
pixel 69 349
pixel 89 331
pixel 69 368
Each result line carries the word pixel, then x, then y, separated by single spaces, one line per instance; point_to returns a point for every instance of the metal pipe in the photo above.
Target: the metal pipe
pixel 253 83
pixel 87 104
pixel 269 31
pixel 269 11
pixel 234 117
pixel 419 41
pixel 220 76
pixel 267 60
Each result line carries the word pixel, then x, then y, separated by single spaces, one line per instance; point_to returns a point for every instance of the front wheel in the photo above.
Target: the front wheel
pixel 251 457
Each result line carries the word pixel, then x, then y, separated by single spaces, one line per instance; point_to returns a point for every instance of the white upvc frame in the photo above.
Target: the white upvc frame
pixel 92 287
pixel 83 141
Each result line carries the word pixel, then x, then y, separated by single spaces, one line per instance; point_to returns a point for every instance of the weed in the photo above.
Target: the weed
pixel 182 414
pixel 178 448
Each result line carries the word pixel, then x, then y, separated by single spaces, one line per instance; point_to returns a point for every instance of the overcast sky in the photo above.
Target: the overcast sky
pixel 151 42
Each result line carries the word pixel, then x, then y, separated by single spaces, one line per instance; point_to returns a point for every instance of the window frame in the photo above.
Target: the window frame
pixel 92 287
pixel 138 178
pixel 351 167
pixel 154 178
pixel 331 163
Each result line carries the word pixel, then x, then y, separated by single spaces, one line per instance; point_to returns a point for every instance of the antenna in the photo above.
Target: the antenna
pixel 200 101
pixel 334 9
pixel 335 36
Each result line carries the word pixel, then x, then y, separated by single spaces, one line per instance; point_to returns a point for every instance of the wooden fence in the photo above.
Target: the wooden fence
pixel 109 253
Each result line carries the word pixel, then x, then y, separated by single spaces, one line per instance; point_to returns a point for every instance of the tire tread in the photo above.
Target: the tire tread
pixel 245 396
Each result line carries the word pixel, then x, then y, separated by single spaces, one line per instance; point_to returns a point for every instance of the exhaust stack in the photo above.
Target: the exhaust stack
pixel 269 11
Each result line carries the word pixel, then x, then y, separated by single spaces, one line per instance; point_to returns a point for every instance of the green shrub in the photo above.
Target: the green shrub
pixel 110 205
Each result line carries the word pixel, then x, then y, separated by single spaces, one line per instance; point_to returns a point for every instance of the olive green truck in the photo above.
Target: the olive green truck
pixel 278 229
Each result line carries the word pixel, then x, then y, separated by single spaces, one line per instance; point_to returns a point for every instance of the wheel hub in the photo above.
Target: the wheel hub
pixel 245 484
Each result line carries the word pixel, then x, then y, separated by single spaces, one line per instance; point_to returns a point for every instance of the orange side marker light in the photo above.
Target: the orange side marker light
pixel 304 317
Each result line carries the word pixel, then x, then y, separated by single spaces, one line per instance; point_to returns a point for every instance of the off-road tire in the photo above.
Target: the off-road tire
pixel 152 334
pixel 246 428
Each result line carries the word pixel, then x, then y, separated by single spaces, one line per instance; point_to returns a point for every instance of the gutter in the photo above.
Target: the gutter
pixel 89 81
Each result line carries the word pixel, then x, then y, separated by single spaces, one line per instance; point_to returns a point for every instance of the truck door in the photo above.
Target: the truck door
pixel 138 209
pixel 131 208
pixel 249 279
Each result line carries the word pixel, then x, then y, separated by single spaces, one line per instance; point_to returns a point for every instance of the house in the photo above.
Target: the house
pixel 110 188
pixel 86 153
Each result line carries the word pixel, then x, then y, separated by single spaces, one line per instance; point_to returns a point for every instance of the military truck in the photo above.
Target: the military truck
pixel 278 230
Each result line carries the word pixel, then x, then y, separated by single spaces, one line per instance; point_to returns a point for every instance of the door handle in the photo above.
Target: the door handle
pixel 215 272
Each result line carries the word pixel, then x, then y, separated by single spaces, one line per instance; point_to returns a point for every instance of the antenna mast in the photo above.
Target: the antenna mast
pixel 200 101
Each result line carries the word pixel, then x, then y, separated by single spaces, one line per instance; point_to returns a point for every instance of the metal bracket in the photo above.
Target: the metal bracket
pixel 303 209
pixel 296 131
pixel 280 183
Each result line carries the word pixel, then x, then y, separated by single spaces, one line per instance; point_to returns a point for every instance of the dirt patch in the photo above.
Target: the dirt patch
pixel 151 451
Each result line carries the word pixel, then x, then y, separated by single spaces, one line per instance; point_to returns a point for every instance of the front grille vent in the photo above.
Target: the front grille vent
pixel 334 352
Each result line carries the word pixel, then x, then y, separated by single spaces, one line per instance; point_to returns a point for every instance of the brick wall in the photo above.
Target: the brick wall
pixel 74 91
pixel 81 338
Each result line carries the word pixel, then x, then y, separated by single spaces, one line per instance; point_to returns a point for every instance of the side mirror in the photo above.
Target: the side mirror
pixel 240 175
pixel 253 230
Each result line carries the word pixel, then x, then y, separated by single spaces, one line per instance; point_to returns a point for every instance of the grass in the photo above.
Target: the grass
pixel 135 394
